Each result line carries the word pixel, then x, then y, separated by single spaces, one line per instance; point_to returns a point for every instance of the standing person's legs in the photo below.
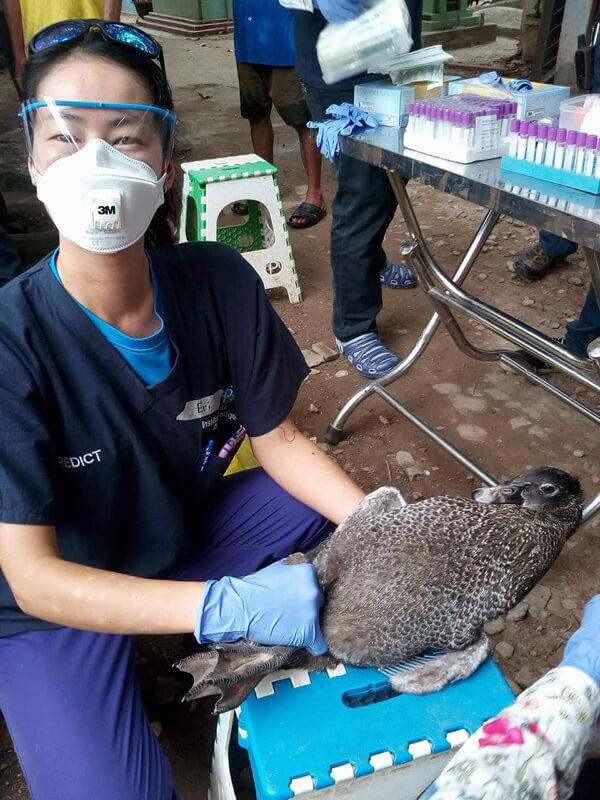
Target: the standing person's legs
pixel 261 133
pixel 255 106
pixel 288 98
pixel 311 158
pixel 533 262
pixel 584 329
pixel 363 207
pixel 73 707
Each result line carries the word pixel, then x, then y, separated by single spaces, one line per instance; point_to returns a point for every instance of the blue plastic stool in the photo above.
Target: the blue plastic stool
pixel 321 735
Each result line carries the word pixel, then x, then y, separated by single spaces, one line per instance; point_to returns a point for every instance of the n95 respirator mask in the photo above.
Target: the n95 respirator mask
pixel 100 199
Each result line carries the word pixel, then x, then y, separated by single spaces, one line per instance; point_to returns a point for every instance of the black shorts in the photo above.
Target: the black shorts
pixel 262 87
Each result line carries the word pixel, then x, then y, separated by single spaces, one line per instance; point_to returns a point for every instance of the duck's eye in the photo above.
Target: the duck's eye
pixel 548 489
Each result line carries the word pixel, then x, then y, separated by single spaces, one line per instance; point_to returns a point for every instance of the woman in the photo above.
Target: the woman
pixel 128 376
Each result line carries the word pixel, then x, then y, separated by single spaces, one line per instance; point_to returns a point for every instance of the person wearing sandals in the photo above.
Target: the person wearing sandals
pixel 264 53
pixel 364 204
pixel 131 369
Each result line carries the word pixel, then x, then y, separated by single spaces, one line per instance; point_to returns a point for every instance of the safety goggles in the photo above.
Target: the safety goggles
pixel 72 29
pixel 58 128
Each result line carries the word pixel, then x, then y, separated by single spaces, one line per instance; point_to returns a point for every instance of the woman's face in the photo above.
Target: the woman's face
pixel 62 130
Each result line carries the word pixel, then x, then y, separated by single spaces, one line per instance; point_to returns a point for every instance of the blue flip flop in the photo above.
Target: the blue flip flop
pixel 397 276
pixel 368 355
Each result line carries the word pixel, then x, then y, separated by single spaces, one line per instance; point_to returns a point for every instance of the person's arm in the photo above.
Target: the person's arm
pixel 48 587
pixel 14 22
pixel 302 469
pixel 536 746
pixel 112 10
pixel 279 604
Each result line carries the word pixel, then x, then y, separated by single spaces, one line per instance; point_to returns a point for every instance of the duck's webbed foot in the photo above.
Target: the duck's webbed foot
pixel 302 659
pixel 231 671
pixel 434 675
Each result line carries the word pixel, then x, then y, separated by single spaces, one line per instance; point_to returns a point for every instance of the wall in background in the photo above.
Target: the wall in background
pixel 575 22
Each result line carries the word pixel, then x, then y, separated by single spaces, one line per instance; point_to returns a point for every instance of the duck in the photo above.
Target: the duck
pixel 400 579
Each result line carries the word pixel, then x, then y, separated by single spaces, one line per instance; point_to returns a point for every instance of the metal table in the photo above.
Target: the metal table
pixel 566 212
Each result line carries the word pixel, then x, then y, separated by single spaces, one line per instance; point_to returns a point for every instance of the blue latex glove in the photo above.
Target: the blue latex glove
pixel 346 118
pixel 277 605
pixel 518 85
pixel 583 648
pixel 339 10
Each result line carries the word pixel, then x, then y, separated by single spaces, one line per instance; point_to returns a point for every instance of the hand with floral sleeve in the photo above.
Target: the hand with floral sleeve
pixel 534 749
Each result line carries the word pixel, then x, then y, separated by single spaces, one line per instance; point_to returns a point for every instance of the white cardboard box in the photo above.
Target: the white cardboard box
pixel 541 102
pixel 386 101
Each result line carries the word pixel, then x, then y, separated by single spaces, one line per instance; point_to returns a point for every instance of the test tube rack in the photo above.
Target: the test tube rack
pixel 566 157
pixel 464 128
pixel 573 180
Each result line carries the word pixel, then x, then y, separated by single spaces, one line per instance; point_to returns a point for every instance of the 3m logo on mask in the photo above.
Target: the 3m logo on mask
pixel 106 211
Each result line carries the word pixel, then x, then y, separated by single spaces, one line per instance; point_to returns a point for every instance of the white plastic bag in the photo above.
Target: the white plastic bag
pixel 426 64
pixel 348 48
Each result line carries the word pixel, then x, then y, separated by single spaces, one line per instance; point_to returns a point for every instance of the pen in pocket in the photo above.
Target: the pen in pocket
pixel 207 452
pixel 232 442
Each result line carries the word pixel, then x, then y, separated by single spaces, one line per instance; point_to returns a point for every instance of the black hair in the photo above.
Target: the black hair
pixel 161 230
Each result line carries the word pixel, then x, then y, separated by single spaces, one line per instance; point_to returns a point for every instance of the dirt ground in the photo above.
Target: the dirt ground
pixel 503 422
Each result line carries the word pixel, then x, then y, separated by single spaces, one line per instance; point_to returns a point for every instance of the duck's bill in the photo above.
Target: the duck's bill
pixel 503 493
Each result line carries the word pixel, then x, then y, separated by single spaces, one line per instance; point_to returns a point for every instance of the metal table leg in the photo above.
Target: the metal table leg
pixel 445 294
pixel 335 430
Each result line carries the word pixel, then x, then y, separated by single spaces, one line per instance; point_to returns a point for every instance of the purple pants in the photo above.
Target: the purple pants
pixel 71 698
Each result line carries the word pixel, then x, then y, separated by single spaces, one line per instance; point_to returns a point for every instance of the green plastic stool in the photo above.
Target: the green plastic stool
pixel 209 186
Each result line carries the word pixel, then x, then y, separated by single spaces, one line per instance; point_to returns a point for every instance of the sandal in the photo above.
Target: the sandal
pixel 396 276
pixel 240 207
pixel 309 212
pixel 368 355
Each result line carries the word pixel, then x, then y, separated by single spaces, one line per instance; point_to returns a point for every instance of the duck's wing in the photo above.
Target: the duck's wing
pixel 355 531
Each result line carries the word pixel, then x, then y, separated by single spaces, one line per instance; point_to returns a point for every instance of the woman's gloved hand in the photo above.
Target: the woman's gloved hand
pixel 339 10
pixel 279 604
pixel 583 648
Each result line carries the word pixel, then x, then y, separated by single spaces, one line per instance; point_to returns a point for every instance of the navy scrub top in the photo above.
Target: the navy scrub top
pixel 113 464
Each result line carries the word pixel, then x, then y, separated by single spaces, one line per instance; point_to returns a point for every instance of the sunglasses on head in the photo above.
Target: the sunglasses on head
pixel 71 29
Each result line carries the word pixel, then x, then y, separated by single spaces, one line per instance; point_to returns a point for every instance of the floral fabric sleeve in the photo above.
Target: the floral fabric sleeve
pixel 533 750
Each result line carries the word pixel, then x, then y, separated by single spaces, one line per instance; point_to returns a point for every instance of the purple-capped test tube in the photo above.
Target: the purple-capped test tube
pixel 580 144
pixel 514 138
pixel 570 146
pixel 410 124
pixel 457 127
pixel 446 126
pixel 540 147
pixel 428 121
pixel 532 132
pixel 469 130
pixel 589 161
pixel 550 147
pixel 523 138
pixel 506 118
pixel 561 146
